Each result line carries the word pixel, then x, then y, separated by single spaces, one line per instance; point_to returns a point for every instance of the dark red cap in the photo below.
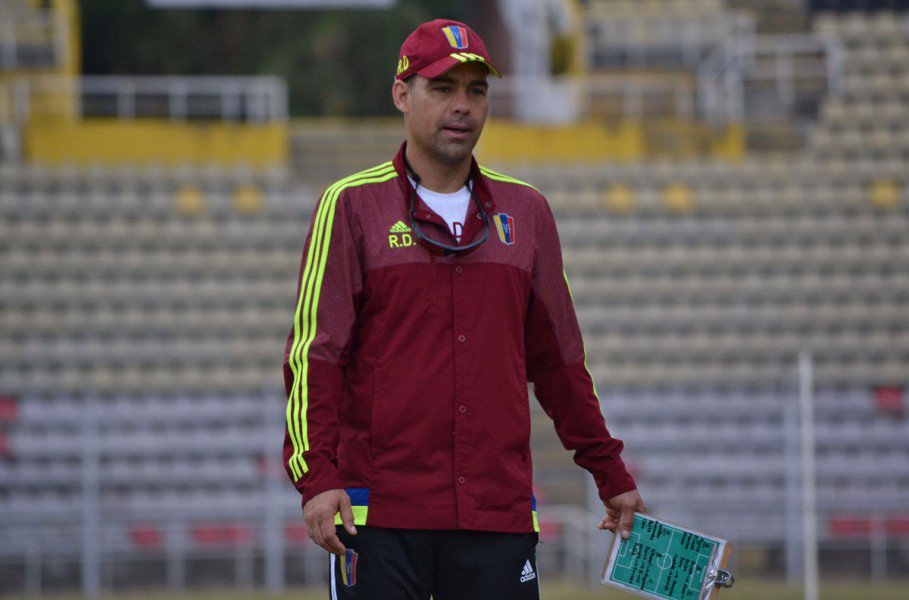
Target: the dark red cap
pixel 437 46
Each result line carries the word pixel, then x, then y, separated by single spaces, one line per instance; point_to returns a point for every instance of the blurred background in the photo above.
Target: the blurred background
pixel 729 180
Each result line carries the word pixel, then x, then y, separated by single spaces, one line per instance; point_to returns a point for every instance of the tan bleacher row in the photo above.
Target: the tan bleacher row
pixel 648 7
pixel 108 288
pixel 871 117
pixel 27 37
pixel 751 288
pixel 106 240
pixel 638 32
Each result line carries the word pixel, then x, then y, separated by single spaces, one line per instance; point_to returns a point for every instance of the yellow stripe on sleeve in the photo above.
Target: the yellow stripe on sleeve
pixel 307 306
pixel 583 346
pixel 504 178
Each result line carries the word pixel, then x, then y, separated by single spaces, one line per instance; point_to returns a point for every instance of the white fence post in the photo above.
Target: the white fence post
pixel 33 568
pixel 273 539
pixel 809 487
pixel 791 459
pixel 8 46
pixel 175 542
pixel 91 521
pixel 878 550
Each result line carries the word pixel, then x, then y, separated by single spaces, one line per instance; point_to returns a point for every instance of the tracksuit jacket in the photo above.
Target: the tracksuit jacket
pixel 406 368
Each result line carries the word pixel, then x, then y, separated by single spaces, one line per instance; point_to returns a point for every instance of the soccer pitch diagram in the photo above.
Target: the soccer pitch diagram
pixel 660 560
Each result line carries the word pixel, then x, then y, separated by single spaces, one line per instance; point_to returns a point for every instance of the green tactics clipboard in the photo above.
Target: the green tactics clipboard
pixel 662 560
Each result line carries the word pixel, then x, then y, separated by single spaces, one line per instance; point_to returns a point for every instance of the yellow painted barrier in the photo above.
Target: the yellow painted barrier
pixel 505 141
pixel 731 143
pixel 68 10
pixel 588 142
pixel 163 142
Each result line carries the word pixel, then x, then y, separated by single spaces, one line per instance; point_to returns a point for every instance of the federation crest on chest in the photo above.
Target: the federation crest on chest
pixel 505 228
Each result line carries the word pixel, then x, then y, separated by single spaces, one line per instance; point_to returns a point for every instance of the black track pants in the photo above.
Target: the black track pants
pixel 414 564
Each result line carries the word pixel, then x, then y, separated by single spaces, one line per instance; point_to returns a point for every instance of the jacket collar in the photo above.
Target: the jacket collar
pixel 473 222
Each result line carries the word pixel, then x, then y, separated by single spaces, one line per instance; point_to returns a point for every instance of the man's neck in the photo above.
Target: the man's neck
pixel 436 176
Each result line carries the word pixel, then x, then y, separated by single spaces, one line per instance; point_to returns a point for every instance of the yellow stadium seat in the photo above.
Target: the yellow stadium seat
pixel 247 199
pixel 189 201
pixel 620 199
pixel 884 194
pixel 677 198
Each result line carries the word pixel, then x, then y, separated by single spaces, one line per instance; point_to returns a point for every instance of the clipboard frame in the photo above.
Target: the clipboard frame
pixel 721 564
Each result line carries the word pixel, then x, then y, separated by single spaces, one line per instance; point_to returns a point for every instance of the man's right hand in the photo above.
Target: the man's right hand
pixel 319 515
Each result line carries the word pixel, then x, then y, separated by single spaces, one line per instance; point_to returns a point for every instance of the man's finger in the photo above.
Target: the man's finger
pixel 626 520
pixel 347 515
pixel 315 533
pixel 330 537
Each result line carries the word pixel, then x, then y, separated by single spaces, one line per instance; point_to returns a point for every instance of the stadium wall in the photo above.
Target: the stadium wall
pixel 156 141
pixel 595 141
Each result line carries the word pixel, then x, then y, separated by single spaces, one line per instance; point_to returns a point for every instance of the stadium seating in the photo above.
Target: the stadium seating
pixel 650 34
pixel 697 283
pixel 27 38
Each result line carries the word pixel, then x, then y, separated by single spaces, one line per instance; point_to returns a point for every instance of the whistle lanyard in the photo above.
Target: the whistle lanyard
pixel 456 250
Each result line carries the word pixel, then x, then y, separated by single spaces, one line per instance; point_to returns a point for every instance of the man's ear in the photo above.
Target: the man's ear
pixel 400 94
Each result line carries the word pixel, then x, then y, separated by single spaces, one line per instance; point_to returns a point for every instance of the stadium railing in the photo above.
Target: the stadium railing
pixel 577 97
pixel 31 39
pixel 251 99
pixel 787 63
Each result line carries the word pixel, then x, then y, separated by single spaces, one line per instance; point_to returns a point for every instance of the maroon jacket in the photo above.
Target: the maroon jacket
pixel 406 369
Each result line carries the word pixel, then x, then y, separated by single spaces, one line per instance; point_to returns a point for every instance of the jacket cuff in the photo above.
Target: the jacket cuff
pixel 616 480
pixel 328 479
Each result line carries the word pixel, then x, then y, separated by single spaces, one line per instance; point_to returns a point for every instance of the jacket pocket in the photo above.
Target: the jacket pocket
pixel 379 418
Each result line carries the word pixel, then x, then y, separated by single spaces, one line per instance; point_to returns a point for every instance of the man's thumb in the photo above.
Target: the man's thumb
pixel 347 514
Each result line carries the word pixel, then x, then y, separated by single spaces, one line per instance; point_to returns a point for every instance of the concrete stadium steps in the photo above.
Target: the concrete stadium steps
pixel 775 16
pixel 869 117
pixel 772 257
pixel 34 46
pixel 774 136
pixel 323 151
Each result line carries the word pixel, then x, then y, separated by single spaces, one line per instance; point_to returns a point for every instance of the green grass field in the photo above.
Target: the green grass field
pixel 753 589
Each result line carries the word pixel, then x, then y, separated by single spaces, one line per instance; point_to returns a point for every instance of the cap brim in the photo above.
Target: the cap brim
pixel 446 64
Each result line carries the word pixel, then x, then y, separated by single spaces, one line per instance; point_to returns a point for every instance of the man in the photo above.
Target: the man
pixel 431 291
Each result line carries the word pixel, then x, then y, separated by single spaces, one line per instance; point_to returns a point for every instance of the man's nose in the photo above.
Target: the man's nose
pixel 461 103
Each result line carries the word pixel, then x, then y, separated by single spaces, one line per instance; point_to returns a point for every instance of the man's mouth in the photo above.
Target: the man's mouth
pixel 458 130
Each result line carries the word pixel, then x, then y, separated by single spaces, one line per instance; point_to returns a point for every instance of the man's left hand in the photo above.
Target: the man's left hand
pixel 620 512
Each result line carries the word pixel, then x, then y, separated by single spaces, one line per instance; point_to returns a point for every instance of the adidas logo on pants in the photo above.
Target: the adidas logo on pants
pixel 527 573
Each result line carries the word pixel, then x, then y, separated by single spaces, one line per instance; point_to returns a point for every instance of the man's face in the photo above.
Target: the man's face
pixel 445 116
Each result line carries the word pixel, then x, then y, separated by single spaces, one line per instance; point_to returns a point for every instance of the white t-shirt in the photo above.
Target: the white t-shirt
pixel 451 207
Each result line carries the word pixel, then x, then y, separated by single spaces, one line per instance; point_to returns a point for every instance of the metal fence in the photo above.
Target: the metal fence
pixel 36 39
pixel 724 462
pixel 248 99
